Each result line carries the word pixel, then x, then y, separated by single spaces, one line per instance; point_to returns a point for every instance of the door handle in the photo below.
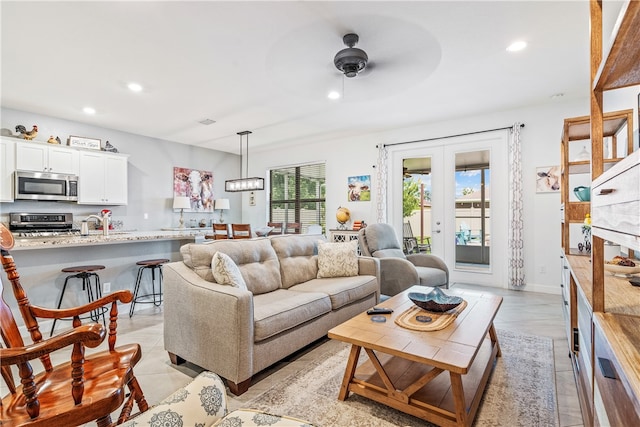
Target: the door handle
pixel 436 231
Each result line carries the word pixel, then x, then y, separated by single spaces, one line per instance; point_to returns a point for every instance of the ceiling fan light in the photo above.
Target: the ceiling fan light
pixel 351 61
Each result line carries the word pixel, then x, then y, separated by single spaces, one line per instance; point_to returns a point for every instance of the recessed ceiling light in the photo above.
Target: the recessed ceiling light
pixel 334 95
pixel 135 87
pixel 89 110
pixel 517 46
pixel 557 95
pixel 207 121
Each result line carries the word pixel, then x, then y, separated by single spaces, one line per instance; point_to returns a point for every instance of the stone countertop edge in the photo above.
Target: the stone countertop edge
pixel 99 239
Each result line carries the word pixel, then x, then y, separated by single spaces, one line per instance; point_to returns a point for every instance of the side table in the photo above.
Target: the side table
pixel 344 236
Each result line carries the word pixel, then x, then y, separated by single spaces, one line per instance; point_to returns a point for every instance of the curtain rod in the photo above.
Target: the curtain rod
pixel 449 136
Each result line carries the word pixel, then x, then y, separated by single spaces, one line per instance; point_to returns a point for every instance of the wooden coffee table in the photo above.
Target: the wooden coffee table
pixel 404 367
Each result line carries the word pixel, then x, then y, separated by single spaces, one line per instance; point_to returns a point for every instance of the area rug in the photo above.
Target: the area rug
pixel 521 391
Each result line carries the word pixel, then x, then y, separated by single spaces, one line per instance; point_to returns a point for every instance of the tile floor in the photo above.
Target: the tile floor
pixel 525 312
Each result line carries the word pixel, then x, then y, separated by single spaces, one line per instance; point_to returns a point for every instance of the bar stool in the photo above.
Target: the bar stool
pixel 85 273
pixel 149 264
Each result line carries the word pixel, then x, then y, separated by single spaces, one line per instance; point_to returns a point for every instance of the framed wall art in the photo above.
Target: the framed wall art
pixel 359 188
pixel 548 179
pixel 195 184
pixel 84 142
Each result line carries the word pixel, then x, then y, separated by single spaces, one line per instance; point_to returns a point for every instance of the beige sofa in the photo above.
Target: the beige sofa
pixel 237 333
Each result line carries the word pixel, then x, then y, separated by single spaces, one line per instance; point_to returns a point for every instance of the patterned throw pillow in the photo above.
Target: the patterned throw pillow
pixel 337 259
pixel 255 418
pixel 201 403
pixel 226 272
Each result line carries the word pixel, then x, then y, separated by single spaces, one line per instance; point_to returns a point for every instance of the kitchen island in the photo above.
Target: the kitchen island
pixel 114 237
pixel 39 261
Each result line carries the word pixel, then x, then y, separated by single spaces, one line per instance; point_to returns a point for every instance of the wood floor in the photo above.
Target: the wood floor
pixel 525 312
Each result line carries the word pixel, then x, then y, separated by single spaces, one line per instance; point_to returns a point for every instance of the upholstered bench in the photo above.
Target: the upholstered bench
pixel 203 403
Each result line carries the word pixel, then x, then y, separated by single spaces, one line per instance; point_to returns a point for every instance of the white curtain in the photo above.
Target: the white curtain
pixel 516 225
pixel 382 170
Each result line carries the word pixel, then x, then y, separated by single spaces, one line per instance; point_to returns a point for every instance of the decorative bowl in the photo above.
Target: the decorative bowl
pixel 621 269
pixel 436 300
pixel 582 193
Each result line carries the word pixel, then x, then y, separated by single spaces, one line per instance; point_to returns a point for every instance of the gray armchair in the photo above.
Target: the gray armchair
pixel 399 271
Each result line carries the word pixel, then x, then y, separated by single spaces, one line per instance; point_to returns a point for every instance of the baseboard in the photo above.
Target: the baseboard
pixel 543 289
pixel 529 287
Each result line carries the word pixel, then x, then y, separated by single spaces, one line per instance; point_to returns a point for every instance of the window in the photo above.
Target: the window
pixel 297 194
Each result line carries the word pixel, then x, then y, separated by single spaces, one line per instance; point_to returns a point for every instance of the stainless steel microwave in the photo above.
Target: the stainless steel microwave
pixel 46 186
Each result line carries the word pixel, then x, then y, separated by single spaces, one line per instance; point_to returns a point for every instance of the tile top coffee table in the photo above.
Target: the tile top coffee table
pixel 438 376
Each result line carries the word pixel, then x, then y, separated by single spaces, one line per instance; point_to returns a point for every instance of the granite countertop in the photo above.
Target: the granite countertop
pixel 96 238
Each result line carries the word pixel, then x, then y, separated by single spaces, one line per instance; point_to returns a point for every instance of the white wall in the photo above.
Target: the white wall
pixel 151 163
pixel 540 147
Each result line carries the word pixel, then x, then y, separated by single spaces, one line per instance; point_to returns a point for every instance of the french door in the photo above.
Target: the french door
pixel 462 212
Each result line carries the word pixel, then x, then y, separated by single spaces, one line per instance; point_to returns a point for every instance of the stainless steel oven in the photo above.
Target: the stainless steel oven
pixel 46 186
pixel 38 225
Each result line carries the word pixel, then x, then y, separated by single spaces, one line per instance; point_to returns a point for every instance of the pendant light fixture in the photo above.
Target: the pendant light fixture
pixel 244 184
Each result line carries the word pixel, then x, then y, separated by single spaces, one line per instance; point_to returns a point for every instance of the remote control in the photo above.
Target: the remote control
pixel 379 310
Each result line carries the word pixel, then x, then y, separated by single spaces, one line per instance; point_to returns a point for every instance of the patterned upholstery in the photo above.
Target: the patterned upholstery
pixel 203 403
pixel 252 418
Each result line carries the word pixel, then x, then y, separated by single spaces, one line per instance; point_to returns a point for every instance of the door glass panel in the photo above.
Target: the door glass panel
pixel 416 205
pixel 473 210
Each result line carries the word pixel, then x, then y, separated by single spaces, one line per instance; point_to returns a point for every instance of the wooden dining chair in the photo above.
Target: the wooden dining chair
pixel 84 389
pixel 241 231
pixel 277 228
pixel 293 228
pixel 220 232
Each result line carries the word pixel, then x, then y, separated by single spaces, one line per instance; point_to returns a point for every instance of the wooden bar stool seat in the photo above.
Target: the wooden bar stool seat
pixel 155 297
pixel 84 273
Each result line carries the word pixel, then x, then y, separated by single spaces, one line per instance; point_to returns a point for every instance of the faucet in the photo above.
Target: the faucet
pixel 104 220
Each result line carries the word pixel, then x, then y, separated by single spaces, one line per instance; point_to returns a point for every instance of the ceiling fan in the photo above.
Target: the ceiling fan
pixel 352 60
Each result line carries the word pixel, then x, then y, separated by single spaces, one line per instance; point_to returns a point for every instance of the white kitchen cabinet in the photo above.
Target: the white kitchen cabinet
pixel 102 179
pixel 7 167
pixel 38 157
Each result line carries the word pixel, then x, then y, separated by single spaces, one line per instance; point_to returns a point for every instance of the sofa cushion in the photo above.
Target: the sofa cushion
pixel 337 259
pixel 226 272
pixel 298 256
pixel 430 276
pixel 381 241
pixel 255 258
pixel 341 290
pixel 388 253
pixel 283 309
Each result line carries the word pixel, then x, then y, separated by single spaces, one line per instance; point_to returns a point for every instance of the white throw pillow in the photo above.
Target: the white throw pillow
pixel 226 272
pixel 337 259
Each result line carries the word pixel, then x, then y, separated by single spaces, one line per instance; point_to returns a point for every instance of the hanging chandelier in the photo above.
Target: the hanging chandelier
pixel 244 184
